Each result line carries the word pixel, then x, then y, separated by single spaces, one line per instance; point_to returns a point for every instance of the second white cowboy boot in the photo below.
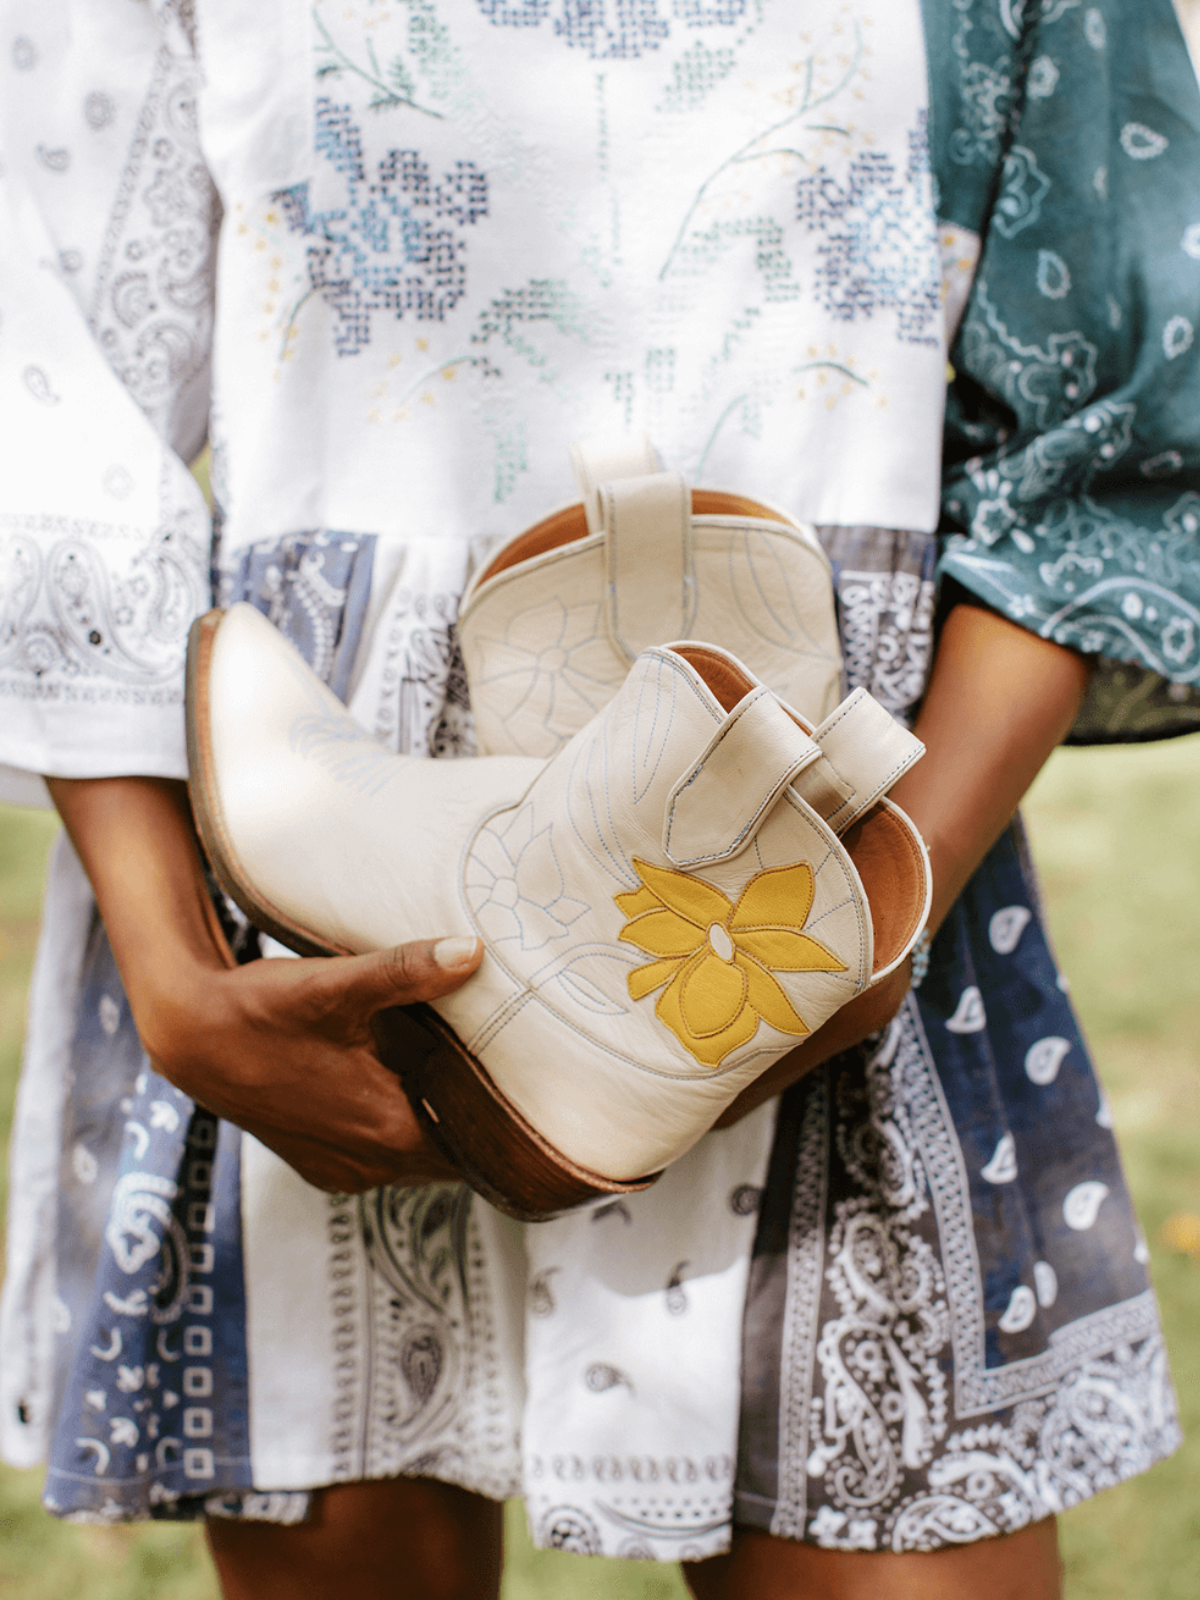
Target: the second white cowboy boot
pixel 664 907
pixel 551 624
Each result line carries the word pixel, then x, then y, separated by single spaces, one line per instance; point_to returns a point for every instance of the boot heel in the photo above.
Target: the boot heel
pixel 478 1128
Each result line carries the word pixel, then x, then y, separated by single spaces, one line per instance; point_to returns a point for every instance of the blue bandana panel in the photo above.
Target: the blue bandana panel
pixel 1047 1194
pixel 314 587
pixel 153 1407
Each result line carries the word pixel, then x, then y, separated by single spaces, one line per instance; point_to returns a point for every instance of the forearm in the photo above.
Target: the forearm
pixel 999 701
pixel 135 839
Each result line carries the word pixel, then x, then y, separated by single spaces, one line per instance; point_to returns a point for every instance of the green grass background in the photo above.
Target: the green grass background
pixel 1117 836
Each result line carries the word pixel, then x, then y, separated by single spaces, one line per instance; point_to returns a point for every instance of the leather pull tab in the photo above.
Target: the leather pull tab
pixel 597 461
pixel 717 806
pixel 650 588
pixel 863 751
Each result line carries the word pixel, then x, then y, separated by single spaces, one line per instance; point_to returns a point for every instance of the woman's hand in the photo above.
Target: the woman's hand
pixel 283 1048
pixel 1000 700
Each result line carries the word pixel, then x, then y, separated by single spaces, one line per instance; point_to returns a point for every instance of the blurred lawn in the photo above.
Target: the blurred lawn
pixel 1117 835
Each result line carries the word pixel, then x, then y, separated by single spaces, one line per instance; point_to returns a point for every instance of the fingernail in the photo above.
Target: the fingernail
pixel 455 952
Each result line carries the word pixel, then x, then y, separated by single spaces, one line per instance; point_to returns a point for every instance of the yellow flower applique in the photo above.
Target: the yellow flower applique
pixel 716 958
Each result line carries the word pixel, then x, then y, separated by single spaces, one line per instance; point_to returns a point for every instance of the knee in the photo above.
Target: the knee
pixel 397 1539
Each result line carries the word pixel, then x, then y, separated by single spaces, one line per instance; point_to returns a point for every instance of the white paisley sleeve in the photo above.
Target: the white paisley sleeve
pixel 107 226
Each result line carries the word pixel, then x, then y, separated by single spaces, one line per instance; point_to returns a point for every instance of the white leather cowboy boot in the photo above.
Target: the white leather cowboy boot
pixel 665 908
pixel 550 626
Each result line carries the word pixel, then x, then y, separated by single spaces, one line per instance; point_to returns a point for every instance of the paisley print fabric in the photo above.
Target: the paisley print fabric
pixel 950 1331
pixel 1071 496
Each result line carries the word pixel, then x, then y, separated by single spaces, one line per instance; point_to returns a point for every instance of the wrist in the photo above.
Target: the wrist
pixel 175 997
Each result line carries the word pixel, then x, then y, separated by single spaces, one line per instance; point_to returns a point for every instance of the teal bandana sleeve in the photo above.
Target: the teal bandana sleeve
pixel 1072 468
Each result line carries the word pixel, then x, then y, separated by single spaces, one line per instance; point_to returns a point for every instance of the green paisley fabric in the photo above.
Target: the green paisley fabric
pixel 1067 134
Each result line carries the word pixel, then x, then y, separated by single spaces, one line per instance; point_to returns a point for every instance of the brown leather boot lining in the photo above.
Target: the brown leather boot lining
pixel 565 526
pixel 722 677
pixel 562 528
pixel 716 503
pixel 889 864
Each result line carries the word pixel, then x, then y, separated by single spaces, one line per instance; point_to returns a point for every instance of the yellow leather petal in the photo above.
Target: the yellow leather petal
pixel 708 1052
pixel 634 901
pixel 662 933
pixel 644 980
pixel 768 998
pixel 778 897
pixel 689 897
pixel 711 996
pixel 784 950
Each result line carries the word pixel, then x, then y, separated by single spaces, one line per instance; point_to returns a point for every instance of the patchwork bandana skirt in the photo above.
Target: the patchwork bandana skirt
pixel 906 1307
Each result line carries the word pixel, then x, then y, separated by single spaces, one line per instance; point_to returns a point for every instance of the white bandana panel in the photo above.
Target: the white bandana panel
pixel 634 1317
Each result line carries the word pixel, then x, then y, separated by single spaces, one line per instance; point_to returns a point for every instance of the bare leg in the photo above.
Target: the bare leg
pixel 1019 1566
pixel 390 1539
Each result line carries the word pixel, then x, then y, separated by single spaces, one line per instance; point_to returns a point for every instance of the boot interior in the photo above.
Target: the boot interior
pixel 724 678
pixel 889 863
pixel 570 524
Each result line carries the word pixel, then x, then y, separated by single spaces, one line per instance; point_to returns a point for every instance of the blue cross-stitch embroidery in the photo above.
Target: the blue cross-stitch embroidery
pixel 612 29
pixel 397 244
pixel 876 251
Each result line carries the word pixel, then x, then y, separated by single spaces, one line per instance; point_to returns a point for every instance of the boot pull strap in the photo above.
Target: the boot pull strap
pixel 863 751
pixel 597 461
pixel 645 515
pixel 650 584
pixel 715 808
